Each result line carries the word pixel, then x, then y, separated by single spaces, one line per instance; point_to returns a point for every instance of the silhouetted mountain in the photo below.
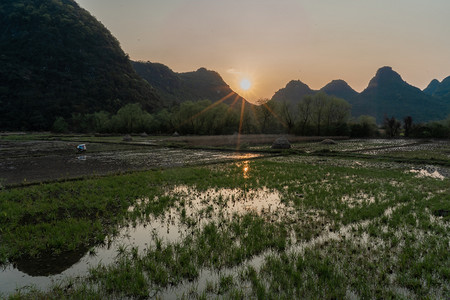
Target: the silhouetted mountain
pixel 175 88
pixel 167 83
pixel 440 90
pixel 386 95
pixel 389 95
pixel 341 89
pixel 431 88
pixel 443 90
pixel 293 92
pixel 206 84
pixel 56 60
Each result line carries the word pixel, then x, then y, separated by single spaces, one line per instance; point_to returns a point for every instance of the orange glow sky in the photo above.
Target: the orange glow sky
pixel 274 41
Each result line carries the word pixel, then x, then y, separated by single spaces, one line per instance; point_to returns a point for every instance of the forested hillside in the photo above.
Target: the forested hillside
pixel 175 88
pixel 58 60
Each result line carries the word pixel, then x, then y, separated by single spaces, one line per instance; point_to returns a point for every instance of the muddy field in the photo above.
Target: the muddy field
pixel 36 161
pixel 47 158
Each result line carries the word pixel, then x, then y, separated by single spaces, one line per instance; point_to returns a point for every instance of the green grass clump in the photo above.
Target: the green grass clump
pixel 53 218
pixel 215 246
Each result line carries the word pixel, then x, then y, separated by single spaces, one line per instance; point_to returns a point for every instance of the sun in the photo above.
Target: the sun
pixel 245 84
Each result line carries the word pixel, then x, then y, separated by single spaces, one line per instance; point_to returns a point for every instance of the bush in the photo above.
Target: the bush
pixel 60 125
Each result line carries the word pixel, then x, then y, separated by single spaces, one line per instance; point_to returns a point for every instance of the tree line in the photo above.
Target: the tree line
pixel 319 115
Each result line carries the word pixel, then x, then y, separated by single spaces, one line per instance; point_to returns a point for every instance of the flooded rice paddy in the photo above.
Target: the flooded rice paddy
pixel 36 161
pixel 195 210
pixel 288 226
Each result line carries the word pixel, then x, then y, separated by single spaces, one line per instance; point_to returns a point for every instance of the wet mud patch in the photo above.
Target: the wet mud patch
pixel 37 161
pixel 422 170
pixel 431 172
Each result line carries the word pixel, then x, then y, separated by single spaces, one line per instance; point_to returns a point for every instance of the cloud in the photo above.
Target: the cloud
pixel 234 71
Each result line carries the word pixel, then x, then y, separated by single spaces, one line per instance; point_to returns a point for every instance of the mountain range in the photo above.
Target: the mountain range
pixel 57 60
pixel 387 95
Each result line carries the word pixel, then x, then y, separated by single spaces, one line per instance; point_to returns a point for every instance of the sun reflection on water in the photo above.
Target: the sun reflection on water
pixel 246 169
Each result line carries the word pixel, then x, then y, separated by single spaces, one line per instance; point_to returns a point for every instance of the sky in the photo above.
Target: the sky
pixel 271 42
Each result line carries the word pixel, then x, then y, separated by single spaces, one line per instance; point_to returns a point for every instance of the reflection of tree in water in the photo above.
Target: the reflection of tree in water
pixel 51 264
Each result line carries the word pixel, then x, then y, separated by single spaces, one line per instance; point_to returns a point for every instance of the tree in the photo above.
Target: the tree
pixel 365 126
pixel 101 121
pixel 304 112
pixel 337 112
pixel 319 103
pixel 189 119
pixel 288 115
pixel 60 125
pixel 80 123
pixel 392 126
pixel 131 118
pixel 407 125
pixel 221 120
pixel 321 111
pixel 164 121
pixel 267 116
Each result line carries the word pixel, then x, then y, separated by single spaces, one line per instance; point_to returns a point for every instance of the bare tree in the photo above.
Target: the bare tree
pixel 392 126
pixel 265 113
pixel 407 125
pixel 319 104
pixel 305 111
pixel 288 115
